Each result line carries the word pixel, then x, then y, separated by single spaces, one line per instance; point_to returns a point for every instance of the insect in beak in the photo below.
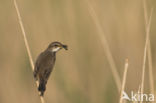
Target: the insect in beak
pixel 65 47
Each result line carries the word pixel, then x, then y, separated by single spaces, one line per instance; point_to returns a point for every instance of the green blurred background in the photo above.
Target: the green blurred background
pixel 82 74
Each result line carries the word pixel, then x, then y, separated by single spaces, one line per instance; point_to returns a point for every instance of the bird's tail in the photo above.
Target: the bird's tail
pixel 42 87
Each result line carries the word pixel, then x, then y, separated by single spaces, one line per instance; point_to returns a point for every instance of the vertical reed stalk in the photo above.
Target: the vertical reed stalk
pixel 26 43
pixel 101 35
pixel 124 80
pixel 149 54
pixel 145 48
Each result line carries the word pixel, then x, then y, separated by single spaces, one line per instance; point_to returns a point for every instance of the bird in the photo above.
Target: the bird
pixel 45 63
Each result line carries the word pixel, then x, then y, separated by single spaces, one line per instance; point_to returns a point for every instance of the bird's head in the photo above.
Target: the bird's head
pixel 56 46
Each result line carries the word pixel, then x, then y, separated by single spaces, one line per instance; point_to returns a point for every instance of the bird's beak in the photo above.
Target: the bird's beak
pixel 65 47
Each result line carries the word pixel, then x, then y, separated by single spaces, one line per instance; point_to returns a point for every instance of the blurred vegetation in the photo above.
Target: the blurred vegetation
pixel 82 74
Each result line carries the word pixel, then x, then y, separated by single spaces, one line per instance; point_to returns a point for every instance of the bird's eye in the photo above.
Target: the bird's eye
pixel 55 45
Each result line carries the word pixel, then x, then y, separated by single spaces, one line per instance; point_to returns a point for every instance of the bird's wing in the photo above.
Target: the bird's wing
pixel 36 68
pixel 47 66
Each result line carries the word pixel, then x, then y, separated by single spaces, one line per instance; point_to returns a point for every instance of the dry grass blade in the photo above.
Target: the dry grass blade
pixel 149 54
pixel 145 51
pixel 26 42
pixel 104 42
pixel 124 80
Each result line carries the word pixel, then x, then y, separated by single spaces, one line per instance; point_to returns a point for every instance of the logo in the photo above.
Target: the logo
pixel 138 97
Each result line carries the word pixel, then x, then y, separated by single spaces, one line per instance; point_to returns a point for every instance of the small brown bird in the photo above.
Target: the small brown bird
pixel 45 63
